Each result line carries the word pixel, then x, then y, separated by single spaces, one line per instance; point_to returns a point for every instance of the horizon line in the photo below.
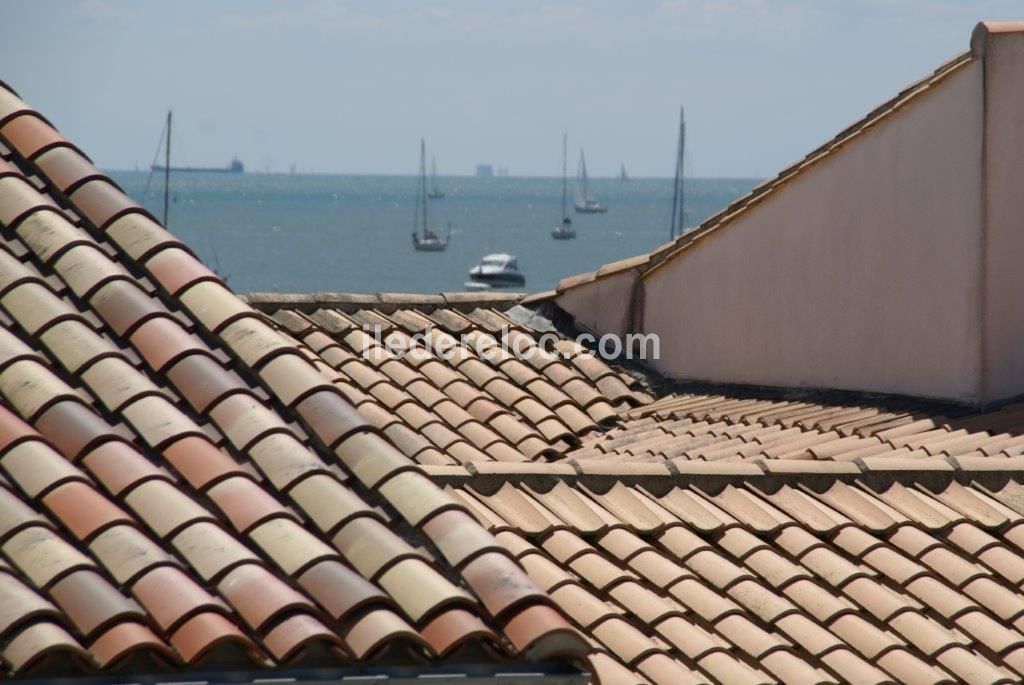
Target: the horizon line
pixel 256 172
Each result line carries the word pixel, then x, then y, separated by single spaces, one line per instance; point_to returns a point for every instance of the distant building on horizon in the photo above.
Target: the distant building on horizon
pixel 484 170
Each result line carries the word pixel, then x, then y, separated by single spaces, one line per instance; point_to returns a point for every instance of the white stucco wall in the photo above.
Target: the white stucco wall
pixel 860 273
pixel 1004 213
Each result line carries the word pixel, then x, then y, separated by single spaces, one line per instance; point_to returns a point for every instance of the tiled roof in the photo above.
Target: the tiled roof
pixel 181 487
pixel 732 536
pixel 468 397
pixel 193 480
pixel 722 535
pixel 737 536
pixel 755 426
pixel 646 263
pixel 731 574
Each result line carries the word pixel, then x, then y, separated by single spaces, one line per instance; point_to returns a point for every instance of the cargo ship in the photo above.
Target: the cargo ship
pixel 234 167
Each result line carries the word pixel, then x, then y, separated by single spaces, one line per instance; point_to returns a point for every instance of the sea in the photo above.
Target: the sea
pixel 301 233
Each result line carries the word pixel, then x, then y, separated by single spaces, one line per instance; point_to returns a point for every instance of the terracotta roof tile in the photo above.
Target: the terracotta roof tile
pixel 338 590
pixel 48 234
pixel 91 603
pixel 202 380
pixel 245 504
pixel 171 597
pixel 541 632
pixel 66 168
pixel 327 502
pixel 29 134
pixel 209 549
pixel 289 545
pixel 140 236
pixel 18 199
pixel 42 641
pixel 125 639
pixel 83 510
pixel 371 548
pixel 37 469
pixel 35 307
pixel 420 591
pixel 42 556
pixel 199 636
pixel 453 629
pixel 284 460
pixel 500 583
pixel 259 596
pixel 119 467
pixel 21 605
pixel 213 305
pixel 127 553
pixel 331 418
pixel 377 629
pixel 299 633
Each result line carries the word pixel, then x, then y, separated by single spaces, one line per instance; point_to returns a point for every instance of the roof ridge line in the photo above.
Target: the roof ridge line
pixel 667 252
pixel 746 470
pixel 270 302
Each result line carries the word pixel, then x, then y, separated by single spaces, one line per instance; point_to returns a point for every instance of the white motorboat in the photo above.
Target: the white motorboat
pixel 498 271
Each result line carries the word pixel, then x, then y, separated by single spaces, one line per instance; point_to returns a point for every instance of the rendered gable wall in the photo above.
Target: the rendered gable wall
pixel 860 273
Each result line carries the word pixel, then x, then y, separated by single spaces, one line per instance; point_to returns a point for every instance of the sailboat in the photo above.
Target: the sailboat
pixel 423 238
pixel 623 176
pixel 435 192
pixel 564 231
pixel 678 221
pixel 585 201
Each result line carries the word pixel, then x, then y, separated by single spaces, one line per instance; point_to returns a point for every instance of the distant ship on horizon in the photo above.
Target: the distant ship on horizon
pixel 233 167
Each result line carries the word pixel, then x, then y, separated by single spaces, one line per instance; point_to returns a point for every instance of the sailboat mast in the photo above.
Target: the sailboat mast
pixel 678 198
pixel 167 168
pixel 423 182
pixel 682 172
pixel 565 171
pixel 583 170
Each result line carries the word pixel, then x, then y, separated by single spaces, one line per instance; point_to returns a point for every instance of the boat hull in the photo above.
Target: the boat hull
pixel 429 244
pixel 559 233
pixel 160 168
pixel 591 209
pixel 502 280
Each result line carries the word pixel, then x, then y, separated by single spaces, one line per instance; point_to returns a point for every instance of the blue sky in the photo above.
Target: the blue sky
pixel 334 86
